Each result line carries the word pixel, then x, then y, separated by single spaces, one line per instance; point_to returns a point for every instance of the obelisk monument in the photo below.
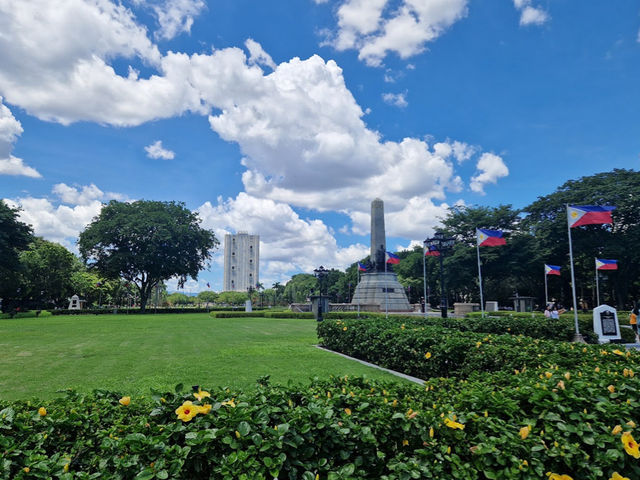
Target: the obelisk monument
pixel 379 284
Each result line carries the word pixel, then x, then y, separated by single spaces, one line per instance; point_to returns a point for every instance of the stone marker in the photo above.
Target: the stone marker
pixel 605 323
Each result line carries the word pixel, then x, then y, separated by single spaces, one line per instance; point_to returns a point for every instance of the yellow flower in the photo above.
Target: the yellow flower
pixel 317 476
pixel 567 376
pixel 431 432
pixel 616 430
pixel 344 329
pixel 452 424
pixel 328 394
pixel 125 401
pixel 478 344
pixel 395 403
pixel 611 388
pixel 617 476
pixel 231 403
pixel 604 352
pixel 597 369
pixel 486 413
pixel 187 411
pixel 402 326
pixel 347 411
pixel 237 434
pixel 204 409
pixel 427 355
pixel 449 450
pixel 631 423
pixel 65 468
pixel 200 394
pixel 524 432
pixel 42 411
pixel 618 352
pixel 560 384
pixel 630 445
pixel 548 374
pixel 26 469
pixel 557 476
pixel 405 443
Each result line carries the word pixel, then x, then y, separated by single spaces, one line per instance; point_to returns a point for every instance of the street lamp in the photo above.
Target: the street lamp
pixel 440 244
pixel 320 273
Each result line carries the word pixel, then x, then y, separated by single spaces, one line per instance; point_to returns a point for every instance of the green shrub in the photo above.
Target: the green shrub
pixel 335 429
pixel 236 314
pixel 286 314
pixel 402 346
pixel 27 314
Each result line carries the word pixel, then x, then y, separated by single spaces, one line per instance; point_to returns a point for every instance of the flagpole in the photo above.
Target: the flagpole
pixel 386 289
pixel 480 279
pixel 424 280
pixel 597 283
pixel 546 290
pixel 357 288
pixel 577 337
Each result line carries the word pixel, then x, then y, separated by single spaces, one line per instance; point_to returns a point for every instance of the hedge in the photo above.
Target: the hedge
pixel 236 314
pixel 289 315
pixel 510 427
pixel 149 310
pixel 27 314
pixel 426 351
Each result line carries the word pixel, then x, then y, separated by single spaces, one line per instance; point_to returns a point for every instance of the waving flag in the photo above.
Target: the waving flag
pixel 589 215
pixel 208 286
pixel 431 252
pixel 361 267
pixel 391 258
pixel 490 238
pixel 602 264
pixel 551 269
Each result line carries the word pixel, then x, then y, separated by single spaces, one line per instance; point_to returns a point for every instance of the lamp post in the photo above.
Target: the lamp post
pixel 441 244
pixel 320 273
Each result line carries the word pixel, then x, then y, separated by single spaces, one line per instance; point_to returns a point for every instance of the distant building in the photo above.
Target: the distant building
pixel 241 261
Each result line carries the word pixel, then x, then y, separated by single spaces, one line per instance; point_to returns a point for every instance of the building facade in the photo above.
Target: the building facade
pixel 241 262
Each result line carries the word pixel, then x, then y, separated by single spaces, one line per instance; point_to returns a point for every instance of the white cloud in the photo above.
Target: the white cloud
pixel 176 16
pixel 491 167
pixel 156 150
pixel 530 15
pixel 10 130
pixel 257 55
pixel 375 29
pixel 395 99
pixel 288 243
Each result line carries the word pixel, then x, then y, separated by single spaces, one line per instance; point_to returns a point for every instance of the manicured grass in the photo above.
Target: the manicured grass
pixel 131 353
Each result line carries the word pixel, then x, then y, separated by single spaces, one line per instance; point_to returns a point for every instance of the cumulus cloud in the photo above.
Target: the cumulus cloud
pixel 257 55
pixel 176 16
pixel 10 130
pixel 156 150
pixel 530 15
pixel 395 99
pixel 376 29
pixel 288 243
pixel 490 168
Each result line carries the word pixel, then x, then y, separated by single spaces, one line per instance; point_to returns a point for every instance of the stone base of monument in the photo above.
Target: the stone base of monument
pixel 464 308
pixel 380 288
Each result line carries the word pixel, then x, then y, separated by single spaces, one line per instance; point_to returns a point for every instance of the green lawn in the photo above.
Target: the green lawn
pixel 131 353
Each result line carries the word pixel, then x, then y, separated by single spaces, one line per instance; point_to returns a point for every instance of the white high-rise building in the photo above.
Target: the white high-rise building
pixel 241 261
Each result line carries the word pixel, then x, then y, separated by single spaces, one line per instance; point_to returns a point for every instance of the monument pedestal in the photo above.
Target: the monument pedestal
pixel 380 287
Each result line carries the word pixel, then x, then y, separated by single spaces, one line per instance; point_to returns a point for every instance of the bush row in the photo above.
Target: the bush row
pixel 27 314
pixel 426 351
pixel 514 427
pixel 274 314
pixel 149 310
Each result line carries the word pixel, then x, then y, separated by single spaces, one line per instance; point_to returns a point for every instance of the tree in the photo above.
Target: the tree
pixel 15 237
pixel 232 298
pixel 178 298
pixel 300 287
pixel 207 296
pixel 147 242
pixel 47 271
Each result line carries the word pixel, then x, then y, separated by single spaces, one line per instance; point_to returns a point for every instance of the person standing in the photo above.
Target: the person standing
pixel 633 321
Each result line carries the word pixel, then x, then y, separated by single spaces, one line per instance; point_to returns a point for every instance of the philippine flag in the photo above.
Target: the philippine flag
pixel 490 238
pixel 589 215
pixel 602 264
pixel 361 267
pixel 208 286
pixel 551 269
pixel 431 252
pixel 391 258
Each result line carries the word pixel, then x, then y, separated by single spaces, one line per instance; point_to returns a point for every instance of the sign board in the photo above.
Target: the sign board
pixel 605 323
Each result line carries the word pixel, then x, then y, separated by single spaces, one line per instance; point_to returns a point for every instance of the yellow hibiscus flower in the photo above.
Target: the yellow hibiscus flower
pixel 557 476
pixel 616 430
pixel 42 411
pixel 187 411
pixel 452 424
pixel 630 445
pixel 200 394
pixel 524 432
pixel 617 476
pixel 125 401
pixel 427 355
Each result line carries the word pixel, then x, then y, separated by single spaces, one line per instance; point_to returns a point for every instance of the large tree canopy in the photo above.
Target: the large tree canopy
pixel 147 242
pixel 15 236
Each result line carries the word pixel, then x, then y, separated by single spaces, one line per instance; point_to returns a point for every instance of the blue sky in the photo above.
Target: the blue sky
pixel 286 118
